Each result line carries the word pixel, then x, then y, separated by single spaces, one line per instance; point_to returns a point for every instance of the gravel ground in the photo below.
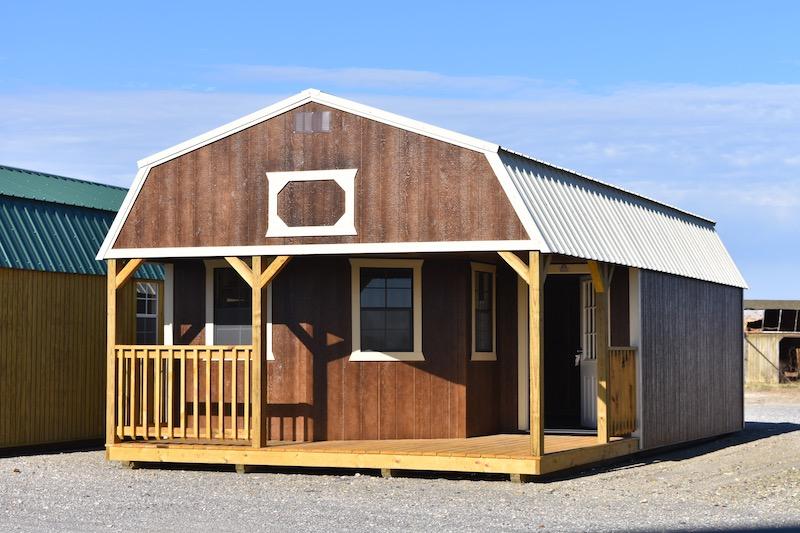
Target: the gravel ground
pixel 750 480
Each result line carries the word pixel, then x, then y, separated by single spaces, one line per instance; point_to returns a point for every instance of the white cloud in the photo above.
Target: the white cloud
pixel 727 152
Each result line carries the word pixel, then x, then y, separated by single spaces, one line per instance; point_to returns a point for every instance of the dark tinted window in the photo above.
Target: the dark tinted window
pixel 232 308
pixel 387 312
pixel 483 312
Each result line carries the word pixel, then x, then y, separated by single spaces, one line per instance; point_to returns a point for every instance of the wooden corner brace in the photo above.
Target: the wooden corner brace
pixel 127 272
pixel 255 279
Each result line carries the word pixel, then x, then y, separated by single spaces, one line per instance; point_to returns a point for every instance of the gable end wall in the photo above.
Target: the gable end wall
pixel 409 188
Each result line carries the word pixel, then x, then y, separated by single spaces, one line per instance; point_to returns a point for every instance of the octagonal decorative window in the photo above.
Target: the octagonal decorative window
pixel 311 203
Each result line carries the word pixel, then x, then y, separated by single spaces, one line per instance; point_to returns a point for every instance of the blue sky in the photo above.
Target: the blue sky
pixel 694 103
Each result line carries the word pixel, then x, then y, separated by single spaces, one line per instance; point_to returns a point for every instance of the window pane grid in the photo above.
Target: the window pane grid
pixel 386 299
pixel 146 313
pixel 484 319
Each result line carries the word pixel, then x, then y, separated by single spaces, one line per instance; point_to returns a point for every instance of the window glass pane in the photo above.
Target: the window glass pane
pixel 373 319
pixel 387 322
pixel 232 298
pixel 399 341
pixel 373 278
pixel 484 327
pixel 373 298
pixel 232 308
pixel 398 297
pixel 397 319
pixel 146 330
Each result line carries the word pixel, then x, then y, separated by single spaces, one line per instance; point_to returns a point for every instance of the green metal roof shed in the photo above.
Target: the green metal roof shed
pixel 56 224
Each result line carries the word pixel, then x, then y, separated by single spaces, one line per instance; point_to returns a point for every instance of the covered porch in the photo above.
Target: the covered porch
pixel 207 403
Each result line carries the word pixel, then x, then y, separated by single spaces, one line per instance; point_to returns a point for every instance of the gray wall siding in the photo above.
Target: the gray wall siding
pixel 692 360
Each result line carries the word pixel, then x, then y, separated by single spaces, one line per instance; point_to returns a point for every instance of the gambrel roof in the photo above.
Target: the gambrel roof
pixel 562 211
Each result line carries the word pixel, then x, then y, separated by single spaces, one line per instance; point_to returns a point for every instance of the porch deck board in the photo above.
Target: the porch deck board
pixel 504 453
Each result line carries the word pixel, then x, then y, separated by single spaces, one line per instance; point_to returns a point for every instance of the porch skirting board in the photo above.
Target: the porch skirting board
pixel 491 454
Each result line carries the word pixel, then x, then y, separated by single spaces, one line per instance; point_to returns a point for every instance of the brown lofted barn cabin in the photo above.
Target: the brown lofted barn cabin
pixel 345 287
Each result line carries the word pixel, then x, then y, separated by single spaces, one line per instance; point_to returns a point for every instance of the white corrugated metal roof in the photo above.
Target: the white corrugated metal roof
pixel 585 218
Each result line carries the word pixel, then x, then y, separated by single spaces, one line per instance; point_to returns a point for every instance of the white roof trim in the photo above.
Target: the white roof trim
pixel 122 214
pixel 517 203
pixel 385 248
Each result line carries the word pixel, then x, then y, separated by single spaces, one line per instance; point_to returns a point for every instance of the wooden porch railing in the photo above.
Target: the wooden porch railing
pixel 183 392
pixel 622 391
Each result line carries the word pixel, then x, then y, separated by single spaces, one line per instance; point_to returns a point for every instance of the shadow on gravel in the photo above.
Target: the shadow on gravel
pixel 52 449
pixel 753 431
pixel 794 527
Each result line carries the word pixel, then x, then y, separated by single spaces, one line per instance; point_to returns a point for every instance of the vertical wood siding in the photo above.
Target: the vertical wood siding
pixel 492 385
pixel 692 364
pixel 53 355
pixel 316 393
pixel 408 188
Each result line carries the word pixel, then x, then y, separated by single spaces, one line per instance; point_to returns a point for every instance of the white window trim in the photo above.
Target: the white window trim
pixel 345 178
pixel 211 264
pixel 356 264
pixel 492 269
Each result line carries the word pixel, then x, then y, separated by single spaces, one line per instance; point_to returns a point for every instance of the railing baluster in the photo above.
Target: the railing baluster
pixel 120 389
pixel 196 391
pixel 183 393
pixel 246 387
pixel 145 390
pixel 234 363
pixel 170 400
pixel 221 393
pixel 157 384
pixel 133 417
pixel 208 392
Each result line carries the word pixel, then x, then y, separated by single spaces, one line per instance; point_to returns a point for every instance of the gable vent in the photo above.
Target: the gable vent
pixel 312 121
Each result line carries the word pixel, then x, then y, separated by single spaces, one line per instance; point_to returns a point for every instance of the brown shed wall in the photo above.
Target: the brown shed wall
pixel 409 188
pixel 691 358
pixel 316 393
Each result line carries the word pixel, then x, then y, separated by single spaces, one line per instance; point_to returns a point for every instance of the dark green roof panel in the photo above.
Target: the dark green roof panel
pixel 51 237
pixel 44 187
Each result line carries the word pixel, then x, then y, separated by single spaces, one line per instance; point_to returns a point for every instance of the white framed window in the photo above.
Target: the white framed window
pixel 484 313
pixel 229 315
pixel 588 325
pixel 386 302
pixel 344 178
pixel 146 313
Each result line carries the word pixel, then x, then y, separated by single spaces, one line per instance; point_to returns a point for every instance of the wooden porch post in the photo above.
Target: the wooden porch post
pixel 259 386
pixel 534 274
pixel 117 275
pixel 111 340
pixel 600 283
pixel 536 277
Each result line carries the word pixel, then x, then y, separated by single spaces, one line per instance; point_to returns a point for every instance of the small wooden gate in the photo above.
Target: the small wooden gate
pixel 622 393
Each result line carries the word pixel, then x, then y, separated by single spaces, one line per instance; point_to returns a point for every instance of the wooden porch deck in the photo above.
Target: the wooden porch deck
pixel 500 454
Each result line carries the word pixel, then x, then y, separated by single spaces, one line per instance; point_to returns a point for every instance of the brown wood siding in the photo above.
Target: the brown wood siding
pixel 316 393
pixel 620 318
pixel 311 203
pixel 492 385
pixel 53 355
pixel 409 188
pixel 189 309
pixel 691 359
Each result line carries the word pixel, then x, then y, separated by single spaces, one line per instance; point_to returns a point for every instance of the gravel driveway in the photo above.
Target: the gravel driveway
pixel 748 480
